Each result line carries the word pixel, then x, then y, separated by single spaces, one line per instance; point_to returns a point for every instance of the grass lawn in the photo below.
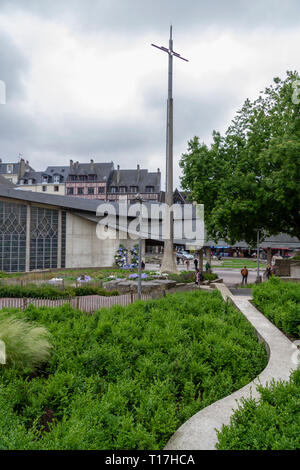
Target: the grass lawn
pixel 239 263
pixel 127 377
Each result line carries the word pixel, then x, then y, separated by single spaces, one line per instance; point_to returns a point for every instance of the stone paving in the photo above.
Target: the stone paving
pixel 199 432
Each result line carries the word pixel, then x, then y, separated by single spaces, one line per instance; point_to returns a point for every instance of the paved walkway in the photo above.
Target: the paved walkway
pixel 199 432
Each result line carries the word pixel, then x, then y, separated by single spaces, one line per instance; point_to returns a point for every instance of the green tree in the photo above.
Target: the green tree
pixel 250 178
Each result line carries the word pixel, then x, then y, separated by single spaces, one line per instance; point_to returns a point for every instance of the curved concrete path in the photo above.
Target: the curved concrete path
pixel 199 432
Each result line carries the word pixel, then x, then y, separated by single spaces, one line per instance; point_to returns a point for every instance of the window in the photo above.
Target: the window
pixel 82 178
pixel 45 179
pixel 56 179
pixel 149 189
pixel 91 190
pixel 44 189
pixel 70 191
pixel 113 189
pixel 56 189
pixel 92 177
pixel 123 189
pixel 10 168
pixel 72 178
pixel 30 181
pixel 133 189
pixel 101 190
pixel 21 181
pixel 80 191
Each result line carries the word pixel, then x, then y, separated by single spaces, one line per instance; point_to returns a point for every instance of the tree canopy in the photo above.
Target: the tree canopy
pixel 249 179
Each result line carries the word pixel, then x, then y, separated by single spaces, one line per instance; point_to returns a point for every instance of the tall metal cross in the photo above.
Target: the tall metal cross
pixel 168 263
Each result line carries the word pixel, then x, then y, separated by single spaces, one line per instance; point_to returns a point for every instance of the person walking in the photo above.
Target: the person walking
pixel 244 273
pixel 187 264
pixel 268 272
pixel 196 264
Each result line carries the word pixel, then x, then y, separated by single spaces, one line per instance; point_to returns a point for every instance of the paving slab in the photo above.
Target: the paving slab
pixel 199 432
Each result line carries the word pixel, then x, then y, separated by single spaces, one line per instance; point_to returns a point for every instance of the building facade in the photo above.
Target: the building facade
pixel 93 181
pixel 89 180
pixel 14 170
pixel 125 185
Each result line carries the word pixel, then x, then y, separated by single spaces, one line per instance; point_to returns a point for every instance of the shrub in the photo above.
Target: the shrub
pixel 26 345
pixel 189 276
pixel 128 377
pixel 280 303
pixel 273 423
pixel 45 291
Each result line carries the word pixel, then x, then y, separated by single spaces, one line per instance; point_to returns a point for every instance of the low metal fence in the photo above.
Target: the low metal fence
pixel 88 304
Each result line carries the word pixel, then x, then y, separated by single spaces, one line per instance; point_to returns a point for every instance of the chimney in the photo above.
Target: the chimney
pixel 92 165
pixel 158 178
pixel 21 168
pixel 138 173
pixel 77 165
pixel 71 164
pixel 118 175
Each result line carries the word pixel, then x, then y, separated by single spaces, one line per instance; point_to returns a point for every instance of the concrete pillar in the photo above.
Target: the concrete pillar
pixel 59 239
pixel 28 224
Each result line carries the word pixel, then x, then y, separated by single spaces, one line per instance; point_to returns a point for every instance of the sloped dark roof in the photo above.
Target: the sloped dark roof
pixel 140 178
pixel 101 170
pixel 4 181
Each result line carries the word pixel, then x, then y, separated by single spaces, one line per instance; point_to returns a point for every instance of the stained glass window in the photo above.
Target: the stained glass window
pixel 12 237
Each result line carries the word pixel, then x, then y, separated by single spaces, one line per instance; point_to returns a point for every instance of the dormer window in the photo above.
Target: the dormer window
pixel 45 179
pixel 9 168
pixel 149 189
pixel 56 179
pixel 133 189
pixel 113 189
pixel 123 189
pixel 21 181
pixel 92 177
pixel 30 181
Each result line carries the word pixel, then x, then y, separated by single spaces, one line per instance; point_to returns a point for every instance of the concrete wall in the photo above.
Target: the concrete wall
pixel 85 249
pixel 284 266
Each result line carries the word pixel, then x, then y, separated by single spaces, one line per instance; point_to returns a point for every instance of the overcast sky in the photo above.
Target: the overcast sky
pixel 84 82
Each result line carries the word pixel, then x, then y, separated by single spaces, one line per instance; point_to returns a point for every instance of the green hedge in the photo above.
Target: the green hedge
pixel 189 276
pixel 271 424
pixel 127 377
pixel 50 292
pixel 280 303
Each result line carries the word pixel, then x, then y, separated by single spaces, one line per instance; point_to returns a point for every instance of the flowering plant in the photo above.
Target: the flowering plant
pixel 121 257
pixel 135 256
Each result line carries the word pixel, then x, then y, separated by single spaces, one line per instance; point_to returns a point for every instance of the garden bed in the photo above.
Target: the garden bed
pixel 128 377
pixel 280 302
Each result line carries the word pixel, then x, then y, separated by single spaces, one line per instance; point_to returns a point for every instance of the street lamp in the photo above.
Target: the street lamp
pixel 140 200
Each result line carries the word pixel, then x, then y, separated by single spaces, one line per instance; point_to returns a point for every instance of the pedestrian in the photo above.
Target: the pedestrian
pixel 207 267
pixel 244 273
pixel 143 264
pixel 187 264
pixel 268 272
pixel 196 264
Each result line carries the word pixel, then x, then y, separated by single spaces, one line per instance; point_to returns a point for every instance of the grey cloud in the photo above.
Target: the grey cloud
pixel 117 16
pixel 13 66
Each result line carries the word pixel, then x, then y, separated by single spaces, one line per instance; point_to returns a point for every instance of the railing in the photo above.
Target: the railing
pixel 88 304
